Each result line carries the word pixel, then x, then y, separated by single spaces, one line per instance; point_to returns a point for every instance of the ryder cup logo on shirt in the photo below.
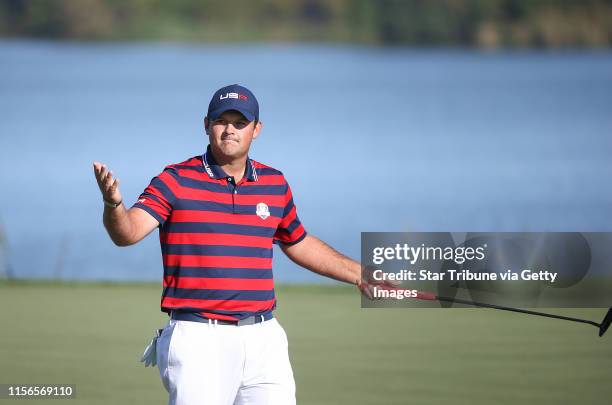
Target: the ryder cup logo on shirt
pixel 262 211
pixel 233 95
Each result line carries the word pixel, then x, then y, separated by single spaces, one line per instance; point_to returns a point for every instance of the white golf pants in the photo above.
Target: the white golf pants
pixel 210 364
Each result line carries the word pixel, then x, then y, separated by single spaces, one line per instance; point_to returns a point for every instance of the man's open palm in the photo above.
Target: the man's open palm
pixel 109 186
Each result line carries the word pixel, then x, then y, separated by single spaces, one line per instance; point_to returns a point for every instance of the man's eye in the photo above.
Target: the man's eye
pixel 241 124
pixel 219 122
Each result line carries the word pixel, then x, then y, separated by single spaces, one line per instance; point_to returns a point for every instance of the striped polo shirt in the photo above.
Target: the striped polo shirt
pixel 216 235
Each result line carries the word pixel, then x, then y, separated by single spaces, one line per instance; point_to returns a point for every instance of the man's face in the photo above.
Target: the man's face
pixel 231 134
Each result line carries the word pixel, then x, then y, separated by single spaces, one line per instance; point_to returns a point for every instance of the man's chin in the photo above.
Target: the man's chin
pixel 231 152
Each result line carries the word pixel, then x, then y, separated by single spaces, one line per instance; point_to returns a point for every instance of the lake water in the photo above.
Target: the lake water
pixel 369 139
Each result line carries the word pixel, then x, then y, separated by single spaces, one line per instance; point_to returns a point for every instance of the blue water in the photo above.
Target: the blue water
pixel 369 139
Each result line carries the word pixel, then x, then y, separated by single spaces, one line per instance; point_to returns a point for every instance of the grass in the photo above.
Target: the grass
pixel 92 335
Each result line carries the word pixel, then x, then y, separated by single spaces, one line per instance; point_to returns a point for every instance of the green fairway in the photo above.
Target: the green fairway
pixel 92 335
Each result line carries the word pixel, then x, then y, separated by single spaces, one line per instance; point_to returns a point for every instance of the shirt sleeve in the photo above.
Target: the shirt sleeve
pixel 290 230
pixel 159 196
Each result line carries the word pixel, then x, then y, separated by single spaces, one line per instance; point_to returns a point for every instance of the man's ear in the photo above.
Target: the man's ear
pixel 258 128
pixel 206 124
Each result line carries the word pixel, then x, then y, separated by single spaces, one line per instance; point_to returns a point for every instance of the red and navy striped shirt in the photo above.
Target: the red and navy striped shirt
pixel 216 235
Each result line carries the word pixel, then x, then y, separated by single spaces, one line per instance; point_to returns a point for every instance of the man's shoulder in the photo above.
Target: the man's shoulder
pixel 192 163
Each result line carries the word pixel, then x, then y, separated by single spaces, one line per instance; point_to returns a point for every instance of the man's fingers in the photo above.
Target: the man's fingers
pixel 114 186
pixel 366 290
pixel 99 179
pixel 108 181
pixel 103 173
pixel 98 172
pixel 392 283
pixel 109 186
pixel 104 179
pixel 367 273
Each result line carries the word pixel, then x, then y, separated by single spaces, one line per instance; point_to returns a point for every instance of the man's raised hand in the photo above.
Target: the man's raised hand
pixel 125 226
pixel 109 186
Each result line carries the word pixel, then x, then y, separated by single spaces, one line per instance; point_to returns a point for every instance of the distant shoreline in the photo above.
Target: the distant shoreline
pixel 494 24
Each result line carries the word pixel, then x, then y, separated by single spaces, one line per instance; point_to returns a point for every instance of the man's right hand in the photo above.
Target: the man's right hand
pixel 125 227
pixel 109 186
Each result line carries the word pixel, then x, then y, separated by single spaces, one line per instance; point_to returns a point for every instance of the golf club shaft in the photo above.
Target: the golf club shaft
pixel 522 311
pixel 428 296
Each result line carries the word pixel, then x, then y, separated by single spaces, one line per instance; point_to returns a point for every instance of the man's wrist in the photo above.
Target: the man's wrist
pixel 111 204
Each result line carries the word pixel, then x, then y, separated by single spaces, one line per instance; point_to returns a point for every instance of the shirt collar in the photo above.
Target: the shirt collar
pixel 215 171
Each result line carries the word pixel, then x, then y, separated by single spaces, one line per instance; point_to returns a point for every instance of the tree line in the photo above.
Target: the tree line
pixel 448 23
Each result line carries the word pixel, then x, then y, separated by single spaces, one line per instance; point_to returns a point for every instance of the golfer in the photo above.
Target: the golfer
pixel 218 215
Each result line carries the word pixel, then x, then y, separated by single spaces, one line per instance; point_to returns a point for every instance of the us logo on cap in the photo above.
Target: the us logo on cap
pixel 233 95
pixel 262 211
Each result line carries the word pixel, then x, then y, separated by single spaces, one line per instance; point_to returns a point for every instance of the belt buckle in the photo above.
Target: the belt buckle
pixel 246 321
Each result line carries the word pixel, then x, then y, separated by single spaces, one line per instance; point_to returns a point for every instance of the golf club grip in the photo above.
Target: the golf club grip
pixel 424 295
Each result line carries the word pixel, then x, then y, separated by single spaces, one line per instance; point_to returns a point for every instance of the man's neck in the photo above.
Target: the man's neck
pixel 233 167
